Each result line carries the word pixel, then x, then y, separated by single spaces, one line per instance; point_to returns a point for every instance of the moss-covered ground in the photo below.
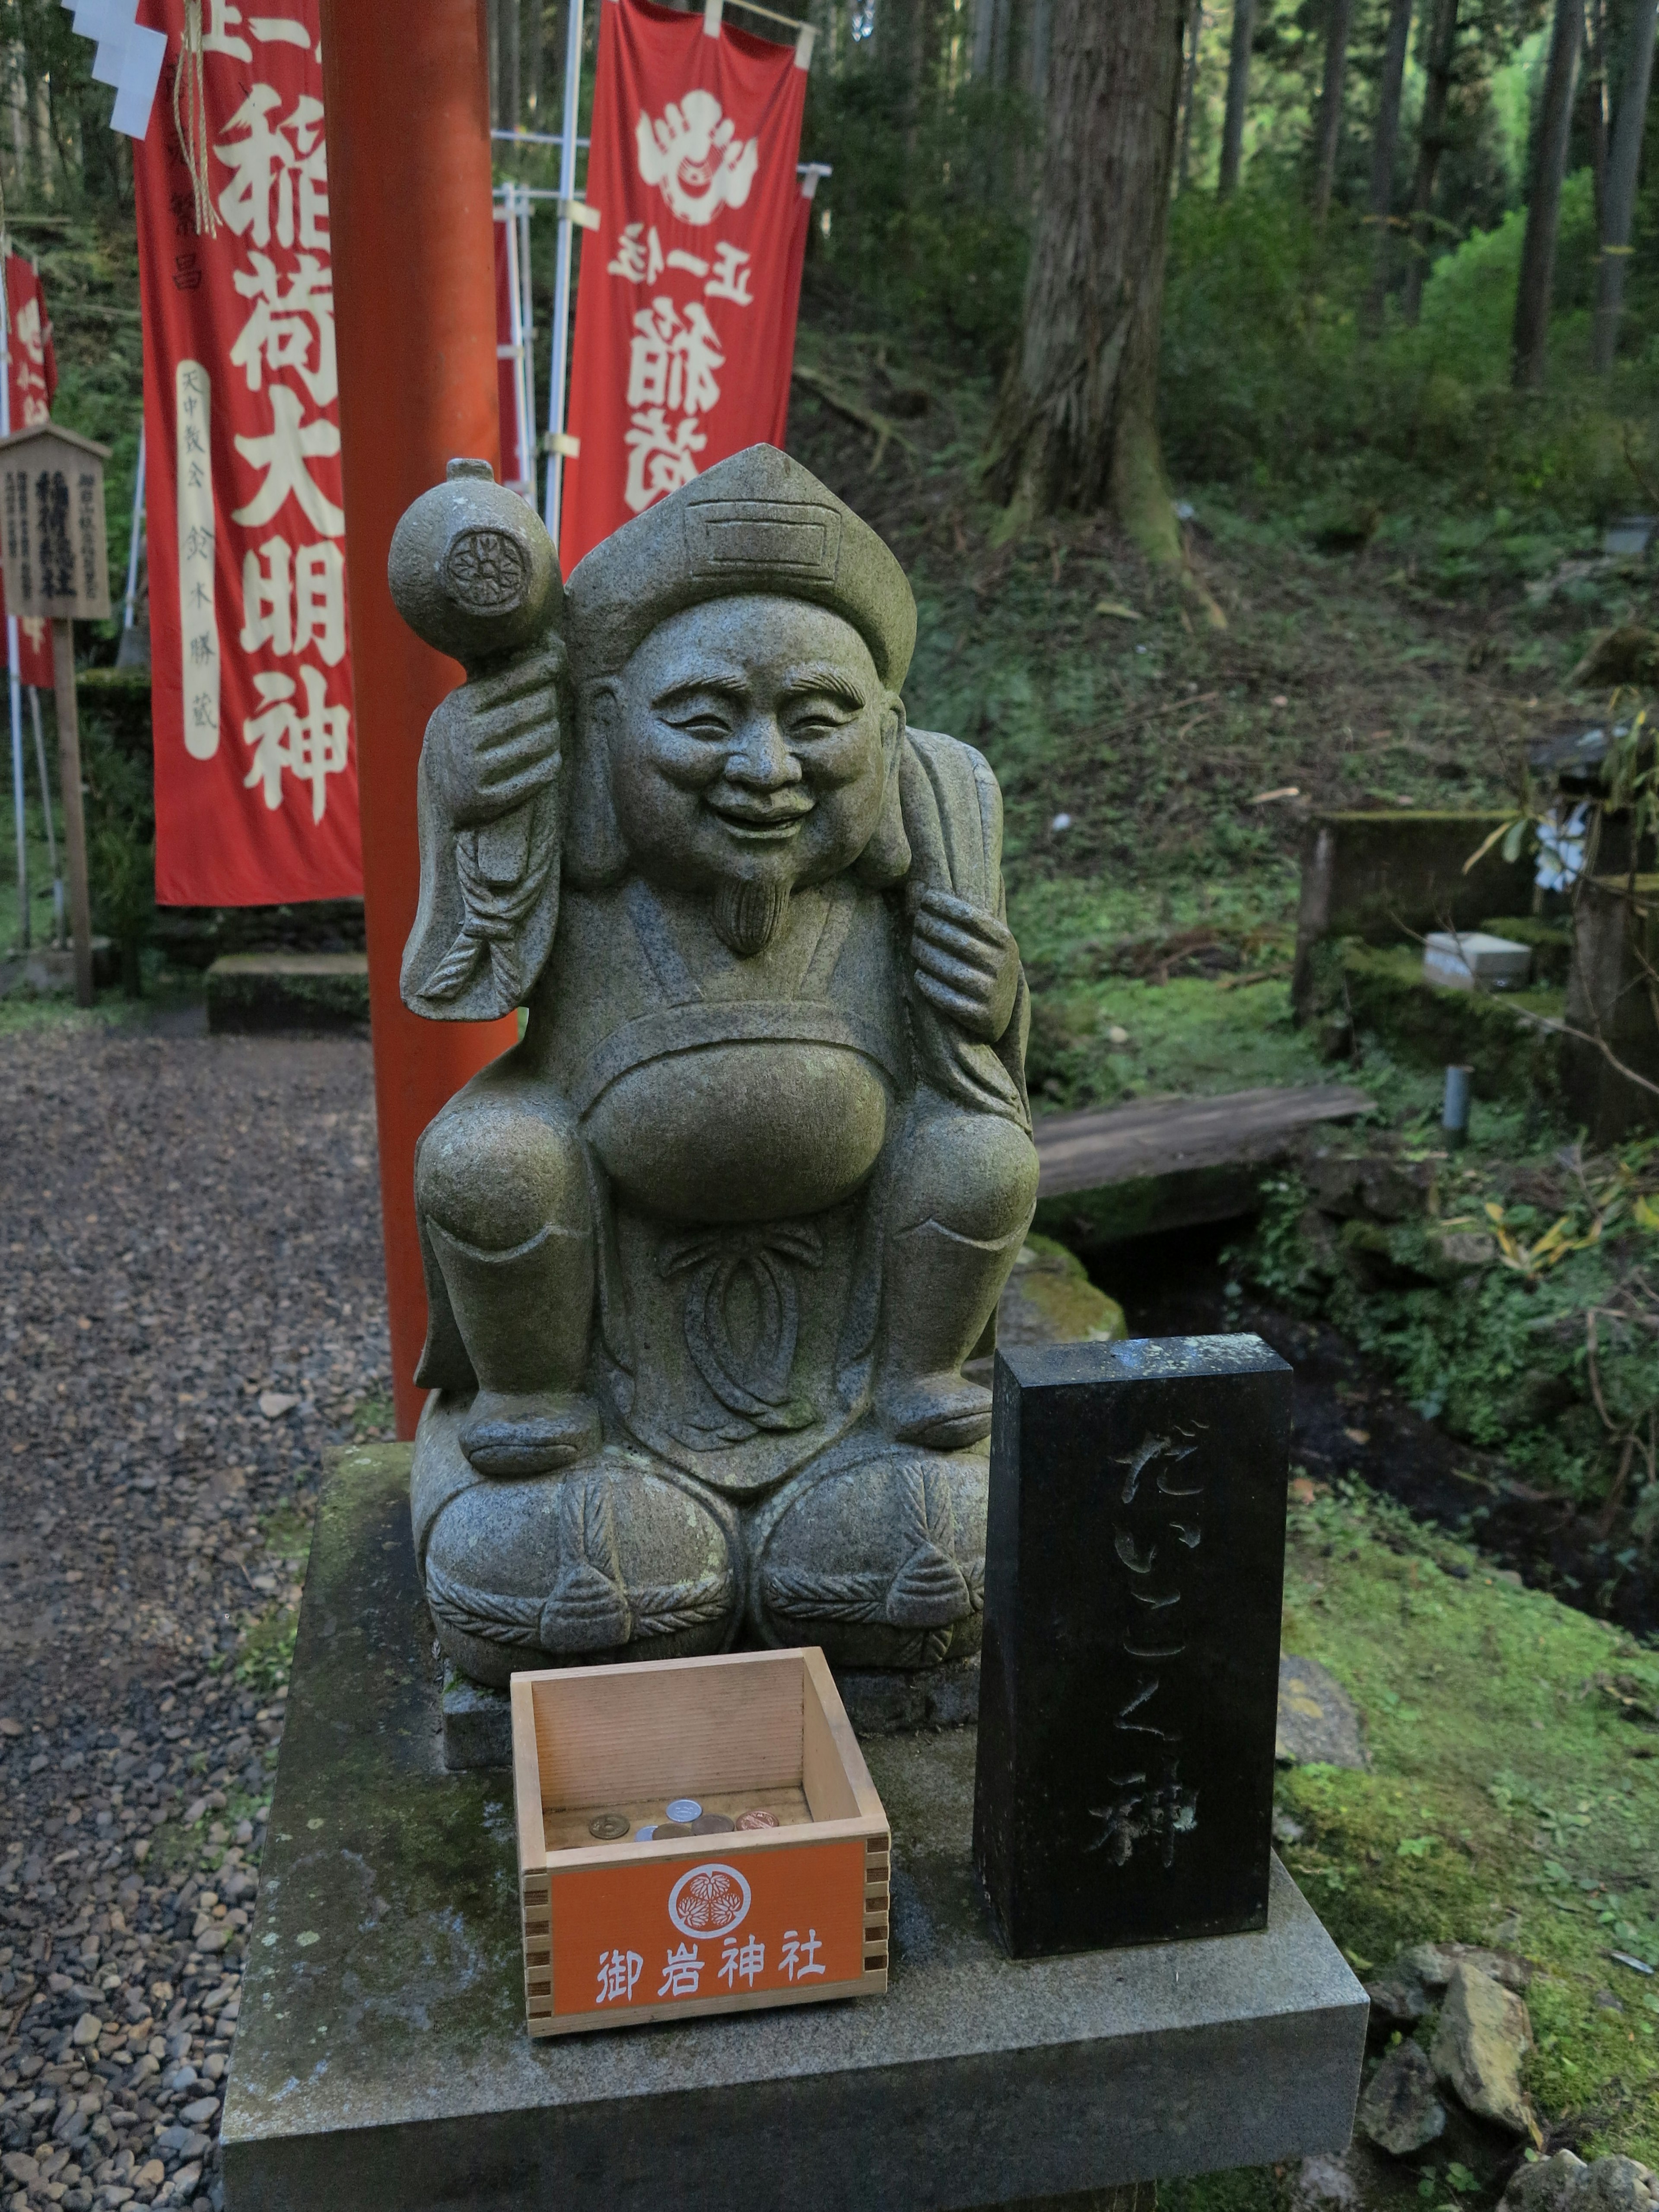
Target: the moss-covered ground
pixel 1512 1800
pixel 1513 1797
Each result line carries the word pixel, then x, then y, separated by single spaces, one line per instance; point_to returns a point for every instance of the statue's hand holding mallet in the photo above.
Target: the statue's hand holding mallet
pixel 474 573
pixel 494 743
pixel 967 963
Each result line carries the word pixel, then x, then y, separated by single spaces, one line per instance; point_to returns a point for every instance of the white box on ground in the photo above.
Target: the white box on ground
pixel 1462 959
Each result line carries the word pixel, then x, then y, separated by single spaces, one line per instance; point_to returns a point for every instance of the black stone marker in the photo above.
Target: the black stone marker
pixel 1135 1562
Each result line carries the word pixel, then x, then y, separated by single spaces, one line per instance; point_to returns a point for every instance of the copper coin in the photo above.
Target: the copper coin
pixel 712 1824
pixel 670 1828
pixel 609 1827
pixel 761 1819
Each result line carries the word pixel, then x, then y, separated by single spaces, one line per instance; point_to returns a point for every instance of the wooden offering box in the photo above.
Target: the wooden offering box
pixel 616 1932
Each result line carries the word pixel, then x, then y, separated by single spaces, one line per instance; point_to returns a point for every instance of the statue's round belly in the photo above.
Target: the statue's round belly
pixel 750 1131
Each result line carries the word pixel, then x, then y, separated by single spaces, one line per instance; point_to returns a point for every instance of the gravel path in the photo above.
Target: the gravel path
pixel 191 1309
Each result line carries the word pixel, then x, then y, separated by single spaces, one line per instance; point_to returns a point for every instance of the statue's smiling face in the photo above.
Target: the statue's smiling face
pixel 750 740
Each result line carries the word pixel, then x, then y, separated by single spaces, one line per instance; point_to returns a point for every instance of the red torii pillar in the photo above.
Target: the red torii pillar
pixel 408 128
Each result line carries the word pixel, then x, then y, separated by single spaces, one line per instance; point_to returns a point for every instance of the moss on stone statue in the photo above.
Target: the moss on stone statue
pixel 1050 1300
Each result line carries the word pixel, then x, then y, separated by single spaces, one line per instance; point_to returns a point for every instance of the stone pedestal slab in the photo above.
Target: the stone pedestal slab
pixel 382 2065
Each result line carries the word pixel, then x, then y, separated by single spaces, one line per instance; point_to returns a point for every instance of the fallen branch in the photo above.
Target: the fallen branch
pixel 881 427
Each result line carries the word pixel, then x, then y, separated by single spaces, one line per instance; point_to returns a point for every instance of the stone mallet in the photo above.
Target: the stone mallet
pixel 474 573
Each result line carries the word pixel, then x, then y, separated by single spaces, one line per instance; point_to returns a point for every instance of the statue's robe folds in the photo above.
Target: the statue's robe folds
pixel 745 1123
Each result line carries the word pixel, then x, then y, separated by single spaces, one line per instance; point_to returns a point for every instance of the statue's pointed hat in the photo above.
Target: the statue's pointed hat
pixel 758 522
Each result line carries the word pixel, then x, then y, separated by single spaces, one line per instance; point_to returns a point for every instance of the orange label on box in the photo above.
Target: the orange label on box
pixel 684 1928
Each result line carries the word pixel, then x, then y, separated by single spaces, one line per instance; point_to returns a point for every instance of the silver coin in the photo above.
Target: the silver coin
pixel 609 1827
pixel 685 1809
pixel 645 1834
pixel 712 1824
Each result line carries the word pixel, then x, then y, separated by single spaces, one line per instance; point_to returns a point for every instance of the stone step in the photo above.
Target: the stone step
pixel 263 992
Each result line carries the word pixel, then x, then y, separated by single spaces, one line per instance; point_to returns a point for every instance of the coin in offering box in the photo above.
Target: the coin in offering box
pixel 609 1827
pixel 712 1824
pixel 670 1828
pixel 685 1809
pixel 759 1819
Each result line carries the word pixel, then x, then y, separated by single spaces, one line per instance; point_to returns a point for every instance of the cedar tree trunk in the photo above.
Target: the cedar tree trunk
pixel 1624 164
pixel 512 65
pixel 1075 421
pixel 1593 93
pixel 1532 293
pixel 1330 105
pixel 1238 94
pixel 1431 142
pixel 984 33
pixel 1384 148
pixel 1190 94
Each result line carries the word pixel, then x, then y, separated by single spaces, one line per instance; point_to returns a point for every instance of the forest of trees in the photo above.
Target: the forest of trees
pixel 1380 215
pixel 1389 223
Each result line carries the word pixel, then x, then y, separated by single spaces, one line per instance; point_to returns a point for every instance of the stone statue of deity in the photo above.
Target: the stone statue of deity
pixel 707 1250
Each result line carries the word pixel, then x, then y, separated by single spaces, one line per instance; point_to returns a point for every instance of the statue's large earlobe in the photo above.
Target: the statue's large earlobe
pixel 885 861
pixel 594 852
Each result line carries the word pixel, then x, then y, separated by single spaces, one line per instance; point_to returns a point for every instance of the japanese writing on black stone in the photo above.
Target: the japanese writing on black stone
pixel 1156 1531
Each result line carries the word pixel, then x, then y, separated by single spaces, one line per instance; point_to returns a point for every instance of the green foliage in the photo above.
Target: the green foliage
pixel 1468 302
pixel 120 811
pixel 1270 384
pixel 927 220
pixel 1540 1346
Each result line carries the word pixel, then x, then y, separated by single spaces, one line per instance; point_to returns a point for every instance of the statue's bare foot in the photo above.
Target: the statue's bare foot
pixel 530 1432
pixel 942 1411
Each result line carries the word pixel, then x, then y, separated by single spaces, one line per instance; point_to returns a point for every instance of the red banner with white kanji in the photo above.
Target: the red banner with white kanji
pixel 255 768
pixel 31 386
pixel 685 309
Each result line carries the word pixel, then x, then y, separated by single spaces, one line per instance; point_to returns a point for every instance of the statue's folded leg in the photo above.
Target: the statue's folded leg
pixel 502 1194
pixel 962 1192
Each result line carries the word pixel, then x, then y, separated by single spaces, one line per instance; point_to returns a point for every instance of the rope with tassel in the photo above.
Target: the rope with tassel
pixel 189 119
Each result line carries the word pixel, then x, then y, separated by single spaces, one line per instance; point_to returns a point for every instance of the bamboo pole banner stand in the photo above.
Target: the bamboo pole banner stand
pixel 75 826
pixel 54 550
pixel 408 129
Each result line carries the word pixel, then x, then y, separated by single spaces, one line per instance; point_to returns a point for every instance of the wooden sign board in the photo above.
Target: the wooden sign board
pixel 53 542
pixel 780 1898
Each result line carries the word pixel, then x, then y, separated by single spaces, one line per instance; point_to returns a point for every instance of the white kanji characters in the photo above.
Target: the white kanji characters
pixel 639 255
pixel 311 746
pixel 672 363
pixel 659 459
pixel 225 20
pixel 219 33
pixel 731 278
pixel 279 31
pixel 799 1956
pixel 295 600
pixel 742 1961
pixel 28 363
pixel 683 1973
pixel 287 166
pixel 320 601
pixel 618 1973
pixel 268 598
pixel 693 263
pixel 291 327
pixel 282 456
